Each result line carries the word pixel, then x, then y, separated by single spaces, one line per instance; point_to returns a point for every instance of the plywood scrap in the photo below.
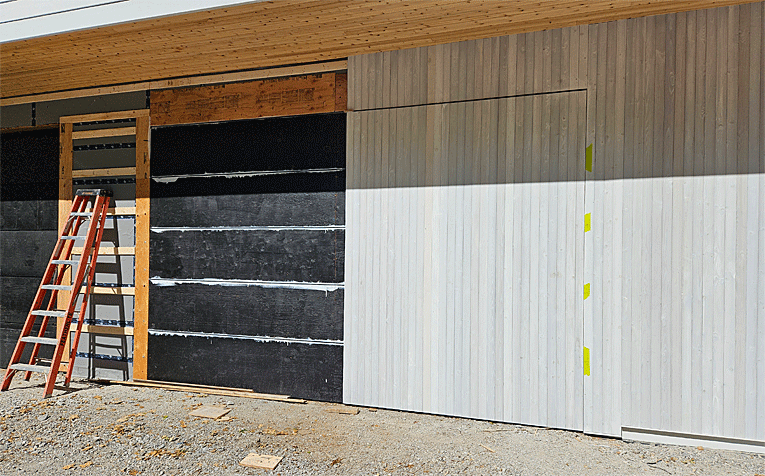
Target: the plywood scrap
pixel 211 387
pixel 254 460
pixel 230 392
pixel 343 410
pixel 211 411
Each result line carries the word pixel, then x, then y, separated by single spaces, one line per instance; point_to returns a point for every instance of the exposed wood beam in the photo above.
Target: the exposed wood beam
pixel 279 32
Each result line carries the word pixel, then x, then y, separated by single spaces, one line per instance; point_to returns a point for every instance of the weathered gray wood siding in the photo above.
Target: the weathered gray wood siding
pixel 674 254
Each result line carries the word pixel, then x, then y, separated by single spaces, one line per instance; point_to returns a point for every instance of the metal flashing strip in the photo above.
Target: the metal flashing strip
pixel 119 145
pixel 690 439
pixel 279 340
pixel 105 322
pixel 253 173
pixel 325 287
pixel 116 358
pixel 161 229
pixel 104 181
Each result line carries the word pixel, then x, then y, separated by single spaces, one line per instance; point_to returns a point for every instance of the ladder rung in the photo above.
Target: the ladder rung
pixel 70 262
pixel 49 313
pixel 67 237
pixel 57 287
pixel 30 368
pixel 39 340
pixel 82 214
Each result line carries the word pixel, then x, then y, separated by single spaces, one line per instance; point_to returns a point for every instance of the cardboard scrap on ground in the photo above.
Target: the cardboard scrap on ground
pixel 344 410
pixel 254 460
pixel 213 412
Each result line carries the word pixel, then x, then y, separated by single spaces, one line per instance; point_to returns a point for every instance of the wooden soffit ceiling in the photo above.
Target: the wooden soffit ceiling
pixel 282 32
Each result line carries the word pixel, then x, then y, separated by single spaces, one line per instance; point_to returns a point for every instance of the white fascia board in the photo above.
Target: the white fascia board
pixel 23 19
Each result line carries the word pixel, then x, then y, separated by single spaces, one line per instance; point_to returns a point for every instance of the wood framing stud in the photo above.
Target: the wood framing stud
pixel 142 194
pixel 65 195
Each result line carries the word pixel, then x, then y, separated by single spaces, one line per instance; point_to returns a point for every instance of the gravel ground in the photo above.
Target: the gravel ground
pixel 103 430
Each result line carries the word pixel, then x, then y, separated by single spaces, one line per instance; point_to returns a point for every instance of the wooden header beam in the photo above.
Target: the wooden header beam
pixel 308 94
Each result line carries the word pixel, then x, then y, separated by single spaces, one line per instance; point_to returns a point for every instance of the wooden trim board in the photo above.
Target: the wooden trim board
pixel 222 391
pixel 104 116
pixel 222 78
pixel 8 130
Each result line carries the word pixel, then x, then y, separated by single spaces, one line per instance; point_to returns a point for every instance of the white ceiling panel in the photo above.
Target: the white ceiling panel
pixel 21 19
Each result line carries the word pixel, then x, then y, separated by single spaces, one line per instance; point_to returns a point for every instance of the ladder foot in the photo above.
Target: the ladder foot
pixel 7 380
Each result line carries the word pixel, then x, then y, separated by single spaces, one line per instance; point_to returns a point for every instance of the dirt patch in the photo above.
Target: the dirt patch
pixel 103 430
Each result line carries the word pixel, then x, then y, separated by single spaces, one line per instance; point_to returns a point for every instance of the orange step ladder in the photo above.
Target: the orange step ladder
pixel 90 205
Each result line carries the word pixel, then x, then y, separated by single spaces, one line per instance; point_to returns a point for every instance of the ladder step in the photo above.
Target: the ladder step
pixel 30 368
pixel 67 237
pixel 70 262
pixel 57 287
pixel 82 214
pixel 49 313
pixel 40 340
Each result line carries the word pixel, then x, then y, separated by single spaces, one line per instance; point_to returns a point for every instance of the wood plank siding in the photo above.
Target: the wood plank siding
pixel 486 252
pixel 285 32
pixel 465 299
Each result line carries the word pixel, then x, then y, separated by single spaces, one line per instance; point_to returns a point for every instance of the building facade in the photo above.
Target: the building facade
pixel 553 217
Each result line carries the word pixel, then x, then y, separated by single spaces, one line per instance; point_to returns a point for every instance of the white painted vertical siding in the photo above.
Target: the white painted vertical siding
pixel 478 211
pixel 674 109
pixel 676 252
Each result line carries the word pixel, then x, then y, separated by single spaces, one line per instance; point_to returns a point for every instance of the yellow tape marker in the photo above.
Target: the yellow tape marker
pixel 587 222
pixel 588 158
pixel 587 290
pixel 587 361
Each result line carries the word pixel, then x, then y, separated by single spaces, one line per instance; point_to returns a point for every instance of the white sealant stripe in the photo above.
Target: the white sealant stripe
pixel 281 340
pixel 254 173
pixel 326 287
pixel 162 229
